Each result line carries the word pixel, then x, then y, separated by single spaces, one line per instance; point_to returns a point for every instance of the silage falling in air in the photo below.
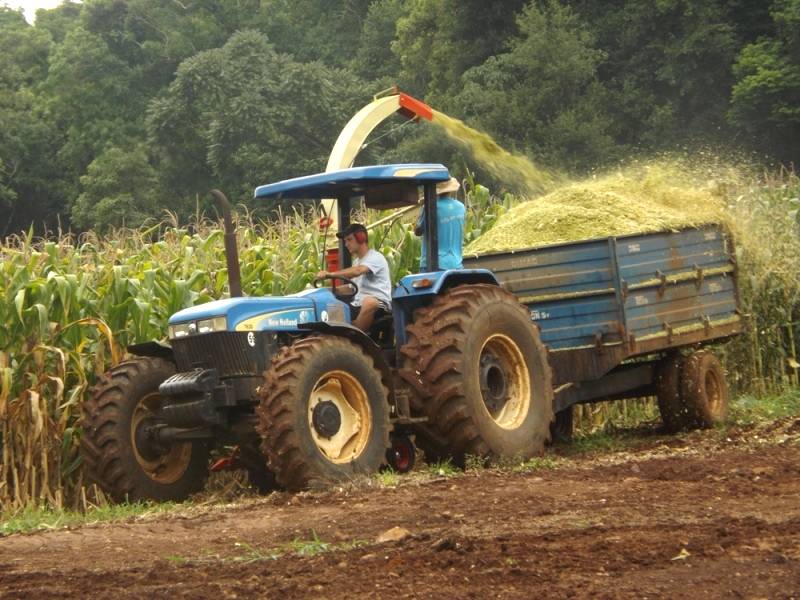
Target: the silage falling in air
pixel 516 170
pixel 663 195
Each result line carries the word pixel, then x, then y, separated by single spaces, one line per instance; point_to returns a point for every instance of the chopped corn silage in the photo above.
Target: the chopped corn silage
pixel 660 196
pixel 517 171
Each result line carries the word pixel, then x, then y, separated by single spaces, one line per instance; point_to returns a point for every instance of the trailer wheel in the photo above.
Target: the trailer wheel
pixel 704 389
pixel 562 427
pixel 674 412
pixel 116 453
pixel 324 414
pixel 485 371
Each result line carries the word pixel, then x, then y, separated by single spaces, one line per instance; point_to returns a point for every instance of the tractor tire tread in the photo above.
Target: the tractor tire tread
pixel 102 412
pixel 281 443
pixel 433 352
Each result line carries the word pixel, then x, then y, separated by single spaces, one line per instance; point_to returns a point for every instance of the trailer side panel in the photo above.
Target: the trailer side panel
pixel 600 302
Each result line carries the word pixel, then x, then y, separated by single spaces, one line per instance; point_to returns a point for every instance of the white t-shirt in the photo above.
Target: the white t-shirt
pixel 375 282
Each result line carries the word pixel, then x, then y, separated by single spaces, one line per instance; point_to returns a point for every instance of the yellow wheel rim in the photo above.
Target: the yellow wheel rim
pixel 507 377
pixel 170 466
pixel 350 399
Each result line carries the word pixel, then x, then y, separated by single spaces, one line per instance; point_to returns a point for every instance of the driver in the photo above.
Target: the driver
pixel 370 272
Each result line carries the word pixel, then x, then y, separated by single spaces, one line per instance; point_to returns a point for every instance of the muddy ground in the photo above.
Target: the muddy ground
pixel 711 514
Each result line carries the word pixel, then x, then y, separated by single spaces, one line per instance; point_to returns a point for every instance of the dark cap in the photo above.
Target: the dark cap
pixel 351 229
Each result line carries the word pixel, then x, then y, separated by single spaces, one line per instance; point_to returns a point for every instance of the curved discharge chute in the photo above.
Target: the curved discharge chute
pixel 355 133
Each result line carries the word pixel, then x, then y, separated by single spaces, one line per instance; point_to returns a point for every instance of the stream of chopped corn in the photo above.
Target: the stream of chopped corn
pixel 659 196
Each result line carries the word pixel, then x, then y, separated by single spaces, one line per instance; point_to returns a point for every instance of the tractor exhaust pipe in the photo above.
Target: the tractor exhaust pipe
pixel 231 251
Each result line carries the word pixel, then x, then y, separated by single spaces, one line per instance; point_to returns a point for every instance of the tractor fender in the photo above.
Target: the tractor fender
pixel 453 278
pixel 354 334
pixel 154 349
pixel 434 283
pixel 418 290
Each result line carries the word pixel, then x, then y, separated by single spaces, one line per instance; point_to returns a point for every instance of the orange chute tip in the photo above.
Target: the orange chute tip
pixel 412 108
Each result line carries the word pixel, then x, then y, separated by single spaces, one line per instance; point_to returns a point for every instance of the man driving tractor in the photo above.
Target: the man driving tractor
pixel 370 272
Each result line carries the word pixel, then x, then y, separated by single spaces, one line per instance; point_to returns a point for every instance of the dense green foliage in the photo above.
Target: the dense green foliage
pixel 114 110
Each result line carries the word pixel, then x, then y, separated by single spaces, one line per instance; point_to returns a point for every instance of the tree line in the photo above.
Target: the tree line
pixel 112 111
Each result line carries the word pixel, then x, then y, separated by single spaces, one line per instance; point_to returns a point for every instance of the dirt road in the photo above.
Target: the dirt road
pixel 710 514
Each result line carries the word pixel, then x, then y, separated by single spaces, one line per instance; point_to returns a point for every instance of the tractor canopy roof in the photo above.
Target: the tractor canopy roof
pixel 382 186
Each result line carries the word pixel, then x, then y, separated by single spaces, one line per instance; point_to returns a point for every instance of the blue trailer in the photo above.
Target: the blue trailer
pixel 473 361
pixel 618 313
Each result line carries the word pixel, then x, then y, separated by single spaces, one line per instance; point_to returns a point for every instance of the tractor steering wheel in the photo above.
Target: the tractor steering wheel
pixel 348 297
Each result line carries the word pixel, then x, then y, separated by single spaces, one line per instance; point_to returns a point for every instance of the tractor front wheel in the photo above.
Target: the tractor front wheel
pixel 117 454
pixel 324 413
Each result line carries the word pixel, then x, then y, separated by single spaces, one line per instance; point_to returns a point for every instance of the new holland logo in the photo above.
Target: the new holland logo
pixel 281 322
pixel 251 339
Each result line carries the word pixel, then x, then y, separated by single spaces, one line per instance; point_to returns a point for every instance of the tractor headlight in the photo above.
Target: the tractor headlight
pixel 211 325
pixel 203 326
pixel 181 330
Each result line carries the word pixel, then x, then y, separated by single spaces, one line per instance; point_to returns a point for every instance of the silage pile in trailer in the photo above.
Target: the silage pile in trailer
pixel 638 199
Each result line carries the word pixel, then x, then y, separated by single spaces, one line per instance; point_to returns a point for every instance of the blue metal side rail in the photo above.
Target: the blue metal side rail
pixel 599 302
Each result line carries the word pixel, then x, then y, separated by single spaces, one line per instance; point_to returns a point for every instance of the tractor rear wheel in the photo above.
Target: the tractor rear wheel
pixel 704 389
pixel 324 413
pixel 674 412
pixel 485 371
pixel 116 453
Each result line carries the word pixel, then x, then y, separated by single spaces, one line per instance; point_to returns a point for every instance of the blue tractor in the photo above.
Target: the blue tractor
pixel 457 368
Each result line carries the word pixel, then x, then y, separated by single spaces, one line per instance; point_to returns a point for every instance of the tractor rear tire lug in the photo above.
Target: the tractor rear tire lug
pixel 466 406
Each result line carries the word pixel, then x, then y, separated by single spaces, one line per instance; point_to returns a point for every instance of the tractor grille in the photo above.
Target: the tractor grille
pixel 228 352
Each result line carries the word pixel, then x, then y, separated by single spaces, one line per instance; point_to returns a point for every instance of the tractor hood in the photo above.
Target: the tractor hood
pixel 254 314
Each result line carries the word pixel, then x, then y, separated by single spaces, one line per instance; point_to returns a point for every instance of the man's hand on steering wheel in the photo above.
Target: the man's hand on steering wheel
pixel 323 275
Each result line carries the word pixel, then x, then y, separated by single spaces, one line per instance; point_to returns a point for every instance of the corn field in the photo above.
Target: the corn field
pixel 768 255
pixel 72 304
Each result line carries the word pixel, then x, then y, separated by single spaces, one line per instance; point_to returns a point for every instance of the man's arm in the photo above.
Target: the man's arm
pixel 348 273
